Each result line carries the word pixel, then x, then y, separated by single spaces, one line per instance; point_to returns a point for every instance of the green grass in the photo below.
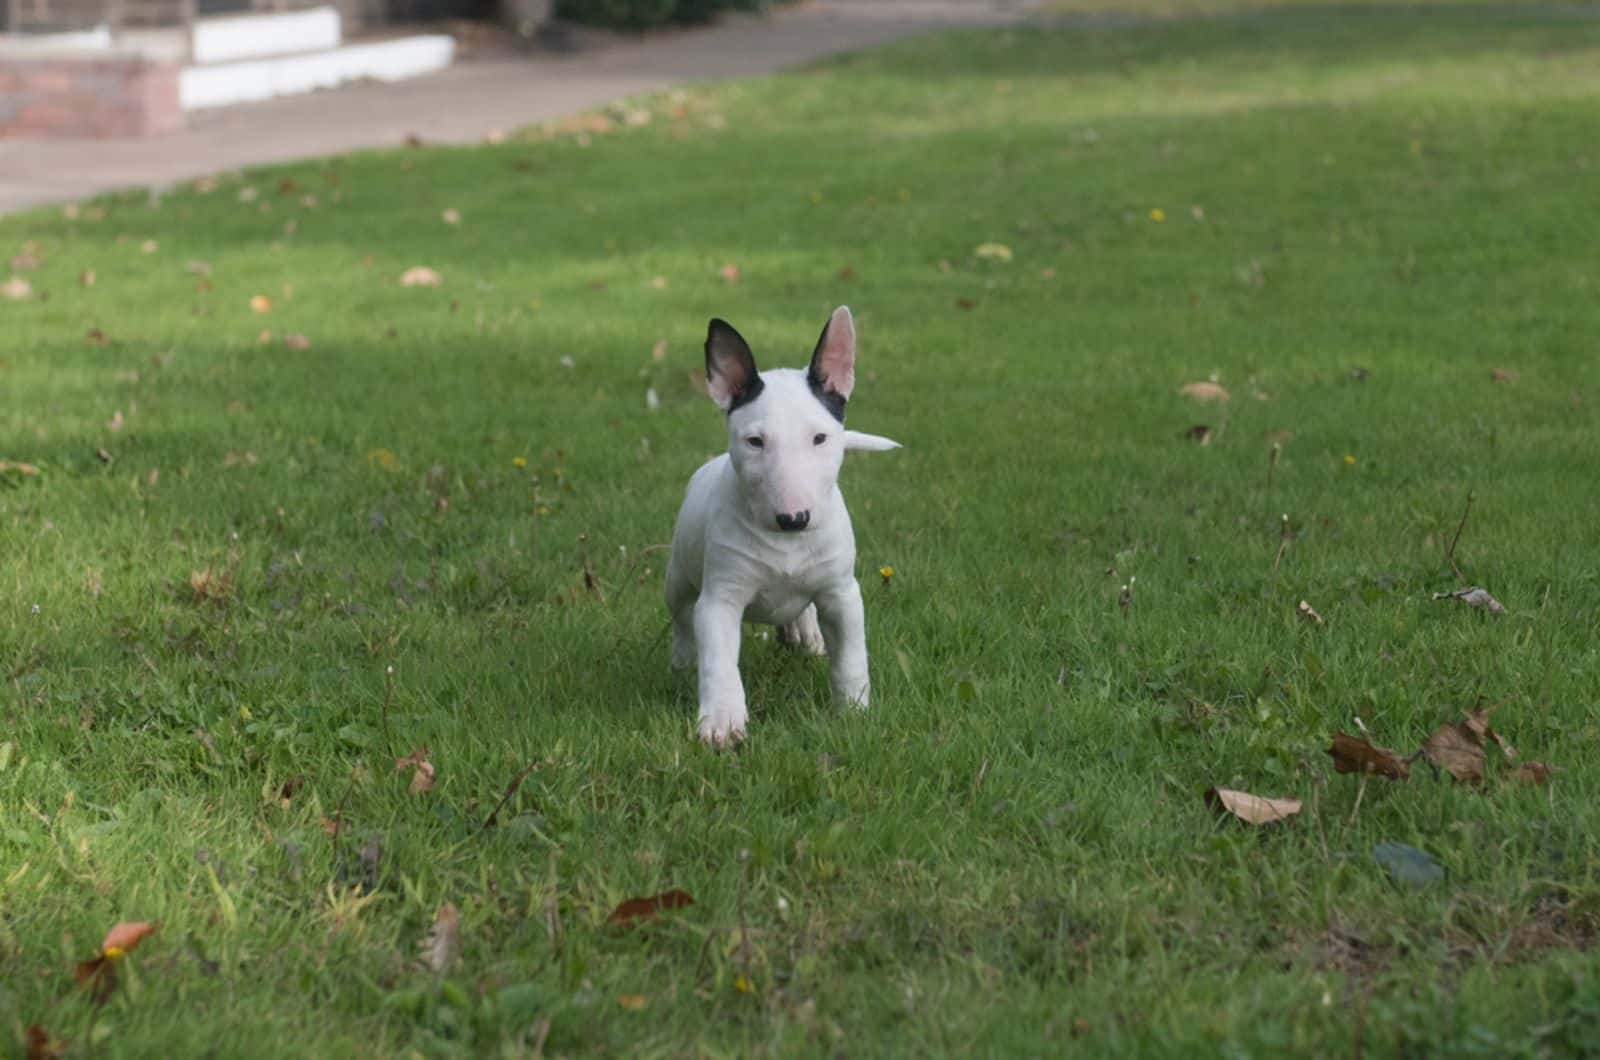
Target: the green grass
pixel 1009 854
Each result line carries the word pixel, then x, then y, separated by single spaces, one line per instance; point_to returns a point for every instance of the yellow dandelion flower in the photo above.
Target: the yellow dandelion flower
pixel 1349 460
pixel 519 461
pixel 886 572
pixel 113 952
pixel 1158 215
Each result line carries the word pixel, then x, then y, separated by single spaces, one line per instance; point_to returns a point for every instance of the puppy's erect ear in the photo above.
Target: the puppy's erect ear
pixel 731 375
pixel 832 374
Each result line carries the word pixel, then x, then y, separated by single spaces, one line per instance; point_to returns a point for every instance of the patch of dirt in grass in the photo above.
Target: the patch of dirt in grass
pixel 1346 951
pixel 1554 923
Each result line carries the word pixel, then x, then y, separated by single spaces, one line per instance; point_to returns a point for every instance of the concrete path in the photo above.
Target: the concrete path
pixel 466 102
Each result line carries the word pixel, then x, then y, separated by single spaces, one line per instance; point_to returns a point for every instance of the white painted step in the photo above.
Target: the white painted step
pixel 221 40
pixel 254 80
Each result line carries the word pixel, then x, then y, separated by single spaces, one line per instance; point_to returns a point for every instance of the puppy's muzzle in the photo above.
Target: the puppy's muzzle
pixel 794 521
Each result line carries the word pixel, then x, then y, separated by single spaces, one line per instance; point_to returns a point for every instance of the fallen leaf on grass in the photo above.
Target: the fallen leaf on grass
pixel 16 289
pixel 39 1044
pixel 1251 809
pixel 18 467
pixel 286 791
pixel 993 251
pixel 297 342
pixel 846 274
pixel 260 304
pixel 1351 754
pixel 103 455
pixel 87 278
pixel 114 424
pixel 1199 434
pixel 636 909
pixel 1504 375
pixel 99 972
pixel 633 1002
pixel 208 586
pixel 244 459
pixel 1474 597
pixel 1532 773
pixel 1309 613
pixel 149 246
pixel 1204 391
pixel 658 352
pixel 420 276
pixel 729 272
pixel 966 303
pixel 422 775
pixel 1407 865
pixel 451 216
pixel 1455 749
pixel 95 337
pixel 442 946
pixel 1478 722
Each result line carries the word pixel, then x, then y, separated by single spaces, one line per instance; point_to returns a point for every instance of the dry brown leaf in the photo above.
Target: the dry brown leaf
pixel 1199 434
pixel 260 304
pixel 1532 773
pixel 422 770
pixel 637 909
pixel 966 303
pixel 1504 375
pixel 442 947
pixel 264 336
pixel 1474 597
pixel 86 278
pixel 39 1044
pixel 658 352
pixel 114 424
pixel 103 455
pixel 1251 809
pixel 1204 391
pixel 452 216
pixel 847 274
pixel 1457 750
pixel 99 973
pixel 1478 722
pixel 729 272
pixel 420 276
pixel 210 586
pixel 1351 754
pixel 149 246
pixel 95 337
pixel 124 937
pixel 633 1002
pixel 297 342
pixel 1309 613
pixel 17 466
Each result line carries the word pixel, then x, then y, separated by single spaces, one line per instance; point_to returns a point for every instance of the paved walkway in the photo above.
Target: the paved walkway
pixel 477 95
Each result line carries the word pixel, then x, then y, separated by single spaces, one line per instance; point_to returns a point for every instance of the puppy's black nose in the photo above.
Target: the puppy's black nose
pixel 797 521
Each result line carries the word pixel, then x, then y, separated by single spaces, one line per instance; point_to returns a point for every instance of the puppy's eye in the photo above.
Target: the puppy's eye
pixel 755 441
pixel 819 439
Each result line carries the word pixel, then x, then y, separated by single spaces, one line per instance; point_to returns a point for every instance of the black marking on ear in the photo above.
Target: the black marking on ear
pixel 724 344
pixel 831 400
pixel 748 393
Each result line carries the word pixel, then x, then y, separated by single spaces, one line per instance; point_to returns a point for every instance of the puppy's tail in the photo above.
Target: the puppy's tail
pixel 868 443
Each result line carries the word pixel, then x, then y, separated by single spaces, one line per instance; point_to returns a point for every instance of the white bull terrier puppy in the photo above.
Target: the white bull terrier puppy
pixel 763 535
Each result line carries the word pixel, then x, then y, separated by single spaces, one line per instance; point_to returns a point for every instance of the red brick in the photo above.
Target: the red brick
pixel 89 97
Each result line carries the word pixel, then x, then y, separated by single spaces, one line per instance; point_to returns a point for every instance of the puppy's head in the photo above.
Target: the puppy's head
pixel 786 431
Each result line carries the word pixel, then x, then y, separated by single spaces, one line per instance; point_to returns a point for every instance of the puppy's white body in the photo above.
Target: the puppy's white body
pixel 763 534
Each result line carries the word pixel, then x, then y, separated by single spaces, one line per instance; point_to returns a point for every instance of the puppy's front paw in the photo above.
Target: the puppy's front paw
pixel 722 726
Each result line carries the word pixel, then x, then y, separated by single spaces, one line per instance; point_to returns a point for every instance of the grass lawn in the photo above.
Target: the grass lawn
pixel 250 573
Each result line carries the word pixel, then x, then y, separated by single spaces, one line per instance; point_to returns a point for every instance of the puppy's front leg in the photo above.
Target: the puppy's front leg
pixel 844 629
pixel 716 636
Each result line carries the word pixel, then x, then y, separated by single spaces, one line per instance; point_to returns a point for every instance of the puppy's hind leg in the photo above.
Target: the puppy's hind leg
pixel 805 633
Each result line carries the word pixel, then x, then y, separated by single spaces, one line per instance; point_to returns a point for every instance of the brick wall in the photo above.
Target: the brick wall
pixel 57 96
